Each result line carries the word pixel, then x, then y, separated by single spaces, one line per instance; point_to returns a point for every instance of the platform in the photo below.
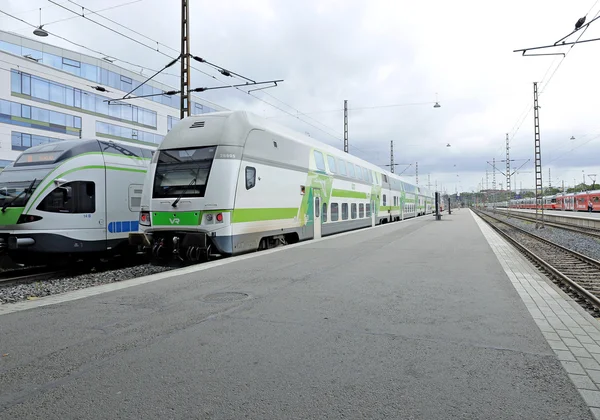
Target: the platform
pixel 413 320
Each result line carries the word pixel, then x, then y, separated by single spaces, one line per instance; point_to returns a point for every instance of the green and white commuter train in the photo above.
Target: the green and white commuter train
pixel 69 200
pixel 230 182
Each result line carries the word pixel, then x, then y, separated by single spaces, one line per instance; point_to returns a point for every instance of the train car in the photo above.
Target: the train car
pixel 594 197
pixel 228 183
pixel 70 200
pixel 581 201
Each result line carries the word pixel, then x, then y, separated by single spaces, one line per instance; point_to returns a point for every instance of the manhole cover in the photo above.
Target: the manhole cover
pixel 225 297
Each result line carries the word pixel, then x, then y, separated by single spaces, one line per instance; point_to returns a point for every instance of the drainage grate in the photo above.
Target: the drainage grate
pixel 225 297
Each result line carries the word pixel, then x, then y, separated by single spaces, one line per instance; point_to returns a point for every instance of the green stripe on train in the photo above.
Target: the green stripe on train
pixel 257 215
pixel 11 215
pixel 348 194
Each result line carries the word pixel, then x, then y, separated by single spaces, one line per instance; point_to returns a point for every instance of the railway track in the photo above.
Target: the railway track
pixel 577 274
pixel 595 233
pixel 29 275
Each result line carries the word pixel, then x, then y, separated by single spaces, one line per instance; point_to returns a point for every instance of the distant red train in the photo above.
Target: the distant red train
pixel 567 202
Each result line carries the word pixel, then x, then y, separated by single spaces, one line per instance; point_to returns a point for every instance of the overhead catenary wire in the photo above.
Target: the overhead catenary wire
pixel 213 77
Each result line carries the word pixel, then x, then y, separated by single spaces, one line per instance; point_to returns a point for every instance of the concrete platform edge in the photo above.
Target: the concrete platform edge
pixel 572 333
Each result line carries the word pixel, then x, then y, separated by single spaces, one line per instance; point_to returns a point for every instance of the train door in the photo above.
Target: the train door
pixel 316 213
pixel 372 213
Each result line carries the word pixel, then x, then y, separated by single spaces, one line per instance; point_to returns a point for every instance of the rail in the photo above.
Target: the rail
pixel 578 272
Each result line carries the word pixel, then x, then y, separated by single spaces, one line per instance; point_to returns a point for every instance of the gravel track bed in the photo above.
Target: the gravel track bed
pixel 19 292
pixel 579 242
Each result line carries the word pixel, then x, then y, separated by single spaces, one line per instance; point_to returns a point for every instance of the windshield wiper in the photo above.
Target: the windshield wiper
pixel 193 181
pixel 25 191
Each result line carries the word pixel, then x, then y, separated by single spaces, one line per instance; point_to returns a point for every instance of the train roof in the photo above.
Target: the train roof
pixel 52 153
pixel 230 128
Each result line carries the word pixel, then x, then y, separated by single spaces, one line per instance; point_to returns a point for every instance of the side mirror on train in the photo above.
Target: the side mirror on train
pixel 67 193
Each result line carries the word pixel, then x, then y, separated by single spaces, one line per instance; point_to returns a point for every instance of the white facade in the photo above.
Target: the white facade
pixel 50 94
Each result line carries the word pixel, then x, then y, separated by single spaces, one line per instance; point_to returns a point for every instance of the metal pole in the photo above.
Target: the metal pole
pixel 417 173
pixel 184 105
pixel 508 173
pixel 494 183
pixel 539 205
pixel 549 178
pixel 392 156
pixel 346 127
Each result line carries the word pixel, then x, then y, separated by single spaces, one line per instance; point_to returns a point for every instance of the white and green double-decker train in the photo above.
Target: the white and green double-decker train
pixel 231 182
pixel 71 199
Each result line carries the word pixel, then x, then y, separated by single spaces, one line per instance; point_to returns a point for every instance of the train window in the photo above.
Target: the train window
pixel 384 199
pixel 250 177
pixel 366 175
pixel 342 167
pixel 331 163
pixel 361 210
pixel 317 207
pixel 72 197
pixel 324 212
pixel 385 178
pixel 353 210
pixel 319 160
pixel 358 172
pixel 351 170
pixel 368 206
pixel 596 199
pixel 335 215
pixel 344 211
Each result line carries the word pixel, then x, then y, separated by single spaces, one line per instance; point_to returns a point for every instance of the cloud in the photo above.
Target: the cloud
pixel 379 52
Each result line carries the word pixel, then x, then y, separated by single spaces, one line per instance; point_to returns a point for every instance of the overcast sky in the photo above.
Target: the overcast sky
pixel 379 53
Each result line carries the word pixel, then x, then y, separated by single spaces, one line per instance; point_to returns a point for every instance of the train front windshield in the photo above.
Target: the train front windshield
pixel 15 184
pixel 182 172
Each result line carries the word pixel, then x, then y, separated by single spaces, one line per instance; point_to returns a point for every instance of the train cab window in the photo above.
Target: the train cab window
pixel 344 211
pixel 353 211
pixel 368 206
pixel 384 199
pixel 250 177
pixel 351 170
pixel 331 163
pixel 71 197
pixel 324 212
pixel 335 215
pixel 361 210
pixel 319 160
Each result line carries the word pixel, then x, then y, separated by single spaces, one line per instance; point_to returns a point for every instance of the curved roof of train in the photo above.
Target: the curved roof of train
pixel 242 122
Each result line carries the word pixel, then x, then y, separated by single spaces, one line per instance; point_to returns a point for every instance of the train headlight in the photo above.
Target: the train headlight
pixel 219 217
pixel 28 218
pixel 145 218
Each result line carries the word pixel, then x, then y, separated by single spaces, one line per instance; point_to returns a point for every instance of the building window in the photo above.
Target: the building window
pixel 43 90
pixel 39 118
pixel 170 122
pixel 335 215
pixel 72 63
pixel 117 132
pixel 23 141
pixel 344 211
pixel 72 197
